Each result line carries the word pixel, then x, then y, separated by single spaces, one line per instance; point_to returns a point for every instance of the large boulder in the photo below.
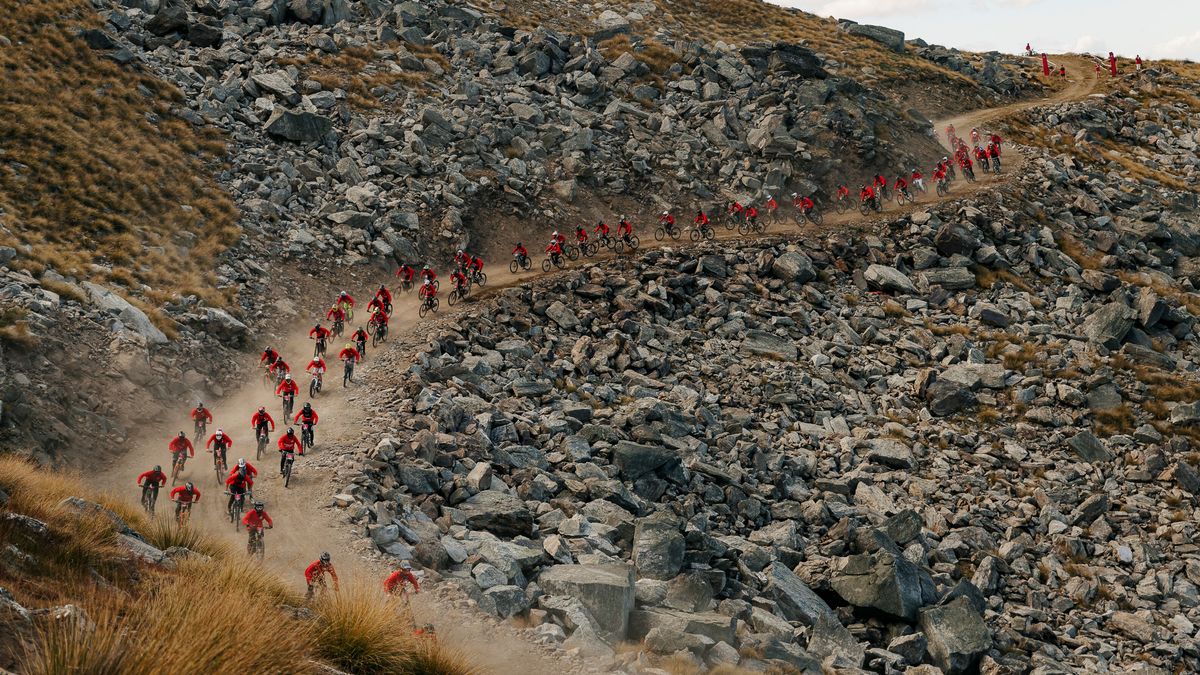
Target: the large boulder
pixel 171 18
pixel 299 127
pixel 831 641
pixel 890 37
pixel 610 24
pixel 1109 325
pixel 889 279
pixel 796 600
pixel 130 316
pixel 883 581
pixel 499 513
pixel 605 591
pixel 718 627
pixel 635 460
pixel 1089 448
pixel 947 397
pixel 797 60
pixel 222 325
pixel 793 266
pixel 949 278
pixel 957 635
pixel 658 547
pixel 762 343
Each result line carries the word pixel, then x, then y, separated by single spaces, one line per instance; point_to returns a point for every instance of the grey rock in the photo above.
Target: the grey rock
pixel 129 315
pixel 792 266
pixel 300 127
pixel 606 591
pixel 1089 448
pixel 762 343
pixel 890 279
pixel 658 546
pixel 796 600
pixel 506 601
pixel 1109 325
pixel 891 453
pixel 831 640
pixel 883 581
pixel 635 460
pixel 891 37
pixel 499 513
pixel 957 635
pixel 950 278
pixel 947 397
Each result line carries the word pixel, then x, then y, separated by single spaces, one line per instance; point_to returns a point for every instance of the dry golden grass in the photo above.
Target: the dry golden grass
pixel 987 277
pixel 657 56
pixel 1115 421
pixel 227 613
pixel 95 171
pixel 359 70
pixel 1083 255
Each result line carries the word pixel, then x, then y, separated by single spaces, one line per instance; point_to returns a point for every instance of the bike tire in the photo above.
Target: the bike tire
pixel 452 299
pixel 660 233
pixel 546 265
pixel 900 200
pixel 312 389
pixel 258 454
pixel 760 227
pixel 512 266
pixel 572 253
pixel 421 311
pixel 815 216
pixel 482 278
pixel 287 475
pixel 710 234
pixel 743 228
pixel 695 234
pixel 634 242
pixel 619 246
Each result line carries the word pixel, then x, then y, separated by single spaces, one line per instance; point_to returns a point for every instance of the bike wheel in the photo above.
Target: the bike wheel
pixel 634 242
pixel 258 454
pixel 185 515
pixel 573 253
pixel 760 227
pixel 312 389
pixel 900 200
pixel 660 233
pixel 287 474
pixel 452 299
pixel 694 234
pixel 421 311
pixel 815 216
pixel 436 302
pixel 674 232
pixel 546 265
pixel 512 266
pixel 731 223
pixel 743 228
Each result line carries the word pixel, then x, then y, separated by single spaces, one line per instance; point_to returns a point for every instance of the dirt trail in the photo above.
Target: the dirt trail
pixel 305 521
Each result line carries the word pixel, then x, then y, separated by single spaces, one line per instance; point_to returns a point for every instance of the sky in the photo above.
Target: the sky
pixel 1150 28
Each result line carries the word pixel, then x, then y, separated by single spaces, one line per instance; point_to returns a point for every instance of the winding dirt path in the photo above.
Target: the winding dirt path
pixel 307 522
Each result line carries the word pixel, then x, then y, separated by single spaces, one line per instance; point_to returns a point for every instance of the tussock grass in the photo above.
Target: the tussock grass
pixel 225 613
pixel 657 56
pixel 97 175
pixel 360 70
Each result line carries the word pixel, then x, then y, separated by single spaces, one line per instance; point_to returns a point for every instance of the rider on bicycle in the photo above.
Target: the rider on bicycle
pixel 458 280
pixel 315 573
pixel 349 352
pixel 316 367
pixel 625 228
pixel 397 581
pixel 601 228
pixel 880 183
pixel 902 186
pixel 268 356
pixel 238 483
pixel 520 251
pixel 805 204
pixel 581 235
pixel 152 479
pixel 380 319
pixel 200 414
pixel 307 417
pixel 344 299
pixel 751 214
pixel 260 420
pixel 383 296
pixel 736 210
pixel 461 257
pixel 701 219
pixel 867 195
pixel 280 366
pixel 256 519
pixel 360 336
pixel 428 291
pixel 180 444
pixel 771 204
pixel 222 443
pixel 667 220
pixel 288 386
pixel 843 192
pixel 917 179
pixel 318 333
pixel 336 314
pixel 184 494
pixel 476 265
pixel 376 306
pixel 554 250
pixel 428 275
pixel 288 442
pixel 405 272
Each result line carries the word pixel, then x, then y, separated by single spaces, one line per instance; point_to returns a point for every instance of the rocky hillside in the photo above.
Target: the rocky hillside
pixel 961 442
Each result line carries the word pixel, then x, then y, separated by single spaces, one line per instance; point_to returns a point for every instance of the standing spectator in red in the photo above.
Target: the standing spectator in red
pixel 1028 50
pixel 1138 63
pixel 1112 64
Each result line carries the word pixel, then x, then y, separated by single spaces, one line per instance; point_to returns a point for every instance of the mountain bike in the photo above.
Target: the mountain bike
pixel 319 348
pixel 289 458
pixel 339 326
pixel 996 165
pixel 201 426
pixel 813 215
pixel 842 204
pixel 236 507
pixel 665 230
pixel 256 546
pixel 177 463
pixel 552 261
pixel 348 370
pixel 289 402
pixel 519 262
pixel 306 436
pixel 942 188
pixel 183 512
pixel 149 497
pixel 429 304
pixel 698 232
pixel 903 197
pixel 866 206
pixel 219 465
pixel 262 440
pixel 629 241
pixel 406 285
pixel 751 225
pixel 571 252
pixel 314 385
pixel 459 293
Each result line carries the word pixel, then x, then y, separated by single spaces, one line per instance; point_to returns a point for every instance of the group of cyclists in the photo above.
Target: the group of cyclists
pixel 467 271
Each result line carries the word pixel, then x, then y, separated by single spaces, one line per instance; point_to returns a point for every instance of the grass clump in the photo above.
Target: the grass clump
pixel 98 177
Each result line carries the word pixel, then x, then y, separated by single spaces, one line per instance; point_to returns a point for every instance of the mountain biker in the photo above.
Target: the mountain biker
pixel 349 352
pixel 428 275
pixel 384 295
pixel 152 479
pixel 405 272
pixel 581 234
pixel 805 204
pixel 314 574
pixel 287 386
pixel 345 298
pixel 993 150
pixel 180 444
pixel 554 251
pixel 462 257
pixel 751 213
pixel 360 338
pixel 667 220
pixel 771 204
pixel 477 262
pixel 939 174
pixel 201 414
pixel 458 280
pixel 701 219
pixel 843 192
pixel 336 314
pixel 316 367
pixel 260 420
pixel 268 356
pixel 306 416
pixel 560 238
pixel 918 179
pixel 398 581
pixel 318 333
pixel 428 291
pixel 222 443
pixel 602 228
pixel 520 251
pixel 867 195
pixel 237 484
pixel 288 442
pixel 245 467
pixel 901 185
pixel 995 140
pixel 624 228
pixel 880 183
pixel 280 366
pixel 736 210
pixel 257 518
pixel 184 494
pixel 376 306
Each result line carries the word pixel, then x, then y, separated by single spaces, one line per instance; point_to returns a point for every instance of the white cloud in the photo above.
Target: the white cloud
pixel 852 9
pixel 1086 44
pixel 1180 47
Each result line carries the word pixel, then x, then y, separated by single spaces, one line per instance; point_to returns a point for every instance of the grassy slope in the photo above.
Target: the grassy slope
pixel 225 612
pixel 94 168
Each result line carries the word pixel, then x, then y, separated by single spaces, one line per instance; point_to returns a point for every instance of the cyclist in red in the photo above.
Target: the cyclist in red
pixel 995 139
pixel 360 336
pixel 736 209
pixel 287 386
pixel 428 290
pixel 257 518
pixel 200 413
pixel 318 332
pixel 554 250
pixel 520 251
pixel 245 467
pixel 667 220
pixel 223 444
pixel 461 258
pixel 154 478
pixel 581 234
pixel 477 264
pixel 917 179
pixel 237 484
pixel 771 204
pixel 180 444
pixel 280 366
pixel 624 228
pixel 314 574
pixel 901 187
pixel 397 581
pixel 601 228
pixel 316 366
pixel 867 194
pixel 336 314
pixel 405 273
pixel 428 274
pixel 268 356
pixel 288 442
pixel 751 213
pixel 843 192
pixel 458 280
pixel 184 494
pixel 701 220
pixel 352 353
pixel 306 416
pixel 806 205
pixel 880 182
pixel 345 297
pixel 376 306
pixel 260 420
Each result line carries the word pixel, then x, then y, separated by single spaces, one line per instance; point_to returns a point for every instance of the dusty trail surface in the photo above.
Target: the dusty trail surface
pixel 307 523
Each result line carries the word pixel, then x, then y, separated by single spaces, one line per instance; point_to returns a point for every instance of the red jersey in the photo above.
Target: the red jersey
pixel 152 478
pixel 317 570
pixel 319 333
pixel 261 418
pixel 178 444
pixel 336 314
pixel 289 443
pixel 401 578
pixel 521 251
pixel 201 414
pixel 253 519
pixel 181 494
pixel 312 417
pixel 349 353
pixel 235 481
pixel 317 365
pixel 287 387
pixel 225 440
